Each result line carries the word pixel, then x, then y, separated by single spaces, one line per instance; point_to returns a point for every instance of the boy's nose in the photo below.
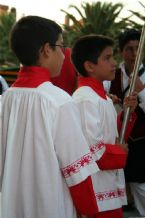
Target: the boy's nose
pixel 114 62
pixel 134 51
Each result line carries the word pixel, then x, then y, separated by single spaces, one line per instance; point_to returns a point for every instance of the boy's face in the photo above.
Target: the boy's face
pixel 56 58
pixel 52 57
pixel 129 54
pixel 105 67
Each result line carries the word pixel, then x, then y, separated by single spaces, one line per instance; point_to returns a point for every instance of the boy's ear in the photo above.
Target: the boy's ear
pixel 46 49
pixel 89 66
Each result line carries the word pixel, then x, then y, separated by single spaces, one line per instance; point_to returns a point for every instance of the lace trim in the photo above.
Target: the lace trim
pixel 77 165
pixel 101 196
pixel 95 148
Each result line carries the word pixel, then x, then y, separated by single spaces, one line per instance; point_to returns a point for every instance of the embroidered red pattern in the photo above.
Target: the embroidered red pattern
pixel 77 165
pixel 101 196
pixel 98 146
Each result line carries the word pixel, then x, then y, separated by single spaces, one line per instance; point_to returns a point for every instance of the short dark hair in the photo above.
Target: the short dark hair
pixel 128 35
pixel 88 48
pixel 29 34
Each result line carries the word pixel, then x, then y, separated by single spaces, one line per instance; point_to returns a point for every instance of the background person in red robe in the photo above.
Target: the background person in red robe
pixel 67 79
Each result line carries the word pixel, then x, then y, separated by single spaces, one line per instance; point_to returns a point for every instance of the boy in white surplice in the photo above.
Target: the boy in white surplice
pixel 46 162
pixel 93 58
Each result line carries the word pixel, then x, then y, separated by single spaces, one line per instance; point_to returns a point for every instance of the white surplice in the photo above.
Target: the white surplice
pixel 43 153
pixel 99 121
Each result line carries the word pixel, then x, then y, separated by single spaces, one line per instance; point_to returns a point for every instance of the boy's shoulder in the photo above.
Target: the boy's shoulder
pixel 46 92
pixel 85 93
pixel 54 93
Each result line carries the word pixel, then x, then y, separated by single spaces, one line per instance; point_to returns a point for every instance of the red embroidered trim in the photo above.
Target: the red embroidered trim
pixel 75 167
pixel 101 196
pixel 95 148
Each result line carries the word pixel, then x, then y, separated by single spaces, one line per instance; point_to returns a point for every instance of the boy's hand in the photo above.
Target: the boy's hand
pixel 139 86
pixel 125 147
pixel 114 98
pixel 131 101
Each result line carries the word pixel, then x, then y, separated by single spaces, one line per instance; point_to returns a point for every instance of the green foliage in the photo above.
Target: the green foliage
pixel 6 55
pixel 96 18
pixel 140 16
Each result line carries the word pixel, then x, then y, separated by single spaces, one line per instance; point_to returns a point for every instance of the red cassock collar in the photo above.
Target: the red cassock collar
pixel 94 84
pixel 31 77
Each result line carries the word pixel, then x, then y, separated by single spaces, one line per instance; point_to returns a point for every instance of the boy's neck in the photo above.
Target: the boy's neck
pixel 128 70
pixel 95 77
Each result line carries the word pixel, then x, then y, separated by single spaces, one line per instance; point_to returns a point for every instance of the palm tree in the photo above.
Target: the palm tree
pixel 140 16
pixel 98 18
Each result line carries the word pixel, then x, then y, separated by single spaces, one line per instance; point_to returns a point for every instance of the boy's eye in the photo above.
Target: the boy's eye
pixel 131 49
pixel 107 57
pixel 62 46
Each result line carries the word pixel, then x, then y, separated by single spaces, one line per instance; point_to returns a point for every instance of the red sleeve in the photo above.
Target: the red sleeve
pixel 84 198
pixel 130 124
pixel 114 157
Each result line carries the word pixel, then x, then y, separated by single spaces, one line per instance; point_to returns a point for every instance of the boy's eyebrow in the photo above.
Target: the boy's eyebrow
pixel 109 55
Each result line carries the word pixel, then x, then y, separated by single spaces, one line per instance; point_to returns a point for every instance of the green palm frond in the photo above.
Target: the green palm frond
pixel 142 4
pixel 140 16
pixel 77 9
pixel 98 18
